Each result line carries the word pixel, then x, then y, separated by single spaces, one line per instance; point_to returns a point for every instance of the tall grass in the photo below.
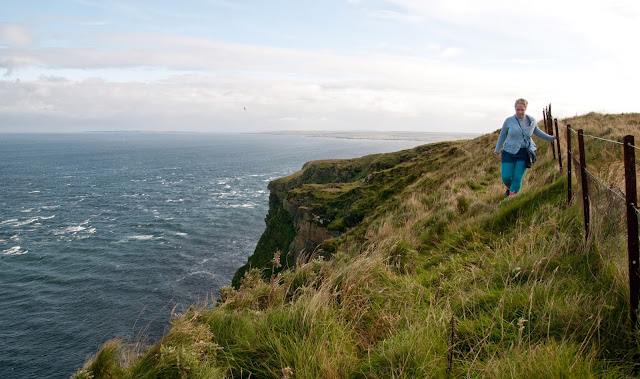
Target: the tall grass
pixel 528 295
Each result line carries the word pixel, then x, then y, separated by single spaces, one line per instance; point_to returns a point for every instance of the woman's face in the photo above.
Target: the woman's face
pixel 520 109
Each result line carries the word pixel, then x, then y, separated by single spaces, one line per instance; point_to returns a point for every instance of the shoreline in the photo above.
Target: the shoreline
pixel 374 135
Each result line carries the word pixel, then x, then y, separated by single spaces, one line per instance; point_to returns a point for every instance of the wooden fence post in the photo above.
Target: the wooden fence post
pixel 452 341
pixel 549 127
pixel 585 188
pixel 558 144
pixel 632 226
pixel 569 164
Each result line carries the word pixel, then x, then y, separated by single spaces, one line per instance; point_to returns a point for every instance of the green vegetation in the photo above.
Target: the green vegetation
pixel 276 237
pixel 437 245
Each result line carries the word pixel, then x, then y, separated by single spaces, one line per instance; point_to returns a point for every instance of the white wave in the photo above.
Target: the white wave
pixel 180 234
pixel 27 222
pixel 26 210
pixel 14 251
pixel 48 207
pixel 92 230
pixel 201 273
pixel 34 191
pixel 245 205
pixel 15 238
pixel 73 229
pixel 47 218
pixel 8 221
pixel 174 201
pixel 141 237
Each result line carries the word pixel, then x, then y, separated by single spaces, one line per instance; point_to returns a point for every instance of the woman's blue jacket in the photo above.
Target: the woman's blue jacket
pixel 517 137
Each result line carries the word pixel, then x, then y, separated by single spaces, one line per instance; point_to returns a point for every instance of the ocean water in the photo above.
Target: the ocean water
pixel 104 235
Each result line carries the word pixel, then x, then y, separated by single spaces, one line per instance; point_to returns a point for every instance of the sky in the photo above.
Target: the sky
pixel 249 66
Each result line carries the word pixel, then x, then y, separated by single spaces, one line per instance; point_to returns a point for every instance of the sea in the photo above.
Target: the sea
pixel 107 235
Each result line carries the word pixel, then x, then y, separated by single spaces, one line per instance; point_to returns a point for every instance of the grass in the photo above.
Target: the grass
pixel 526 294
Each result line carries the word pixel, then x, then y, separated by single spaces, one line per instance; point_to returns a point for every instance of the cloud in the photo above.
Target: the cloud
pixel 204 84
pixel 15 35
pixel 13 61
pixel 451 52
pixel 607 25
pixel 282 88
pixel 396 16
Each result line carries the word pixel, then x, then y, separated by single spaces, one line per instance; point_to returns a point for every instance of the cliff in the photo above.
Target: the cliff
pixel 314 206
pixel 424 270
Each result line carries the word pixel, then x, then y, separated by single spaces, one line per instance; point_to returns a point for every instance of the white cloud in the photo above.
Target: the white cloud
pixel 283 87
pixel 15 35
pixel 203 83
pixel 607 25
pixel 396 16
pixel 450 52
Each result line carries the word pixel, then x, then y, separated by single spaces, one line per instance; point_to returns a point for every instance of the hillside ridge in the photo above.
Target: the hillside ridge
pixel 424 270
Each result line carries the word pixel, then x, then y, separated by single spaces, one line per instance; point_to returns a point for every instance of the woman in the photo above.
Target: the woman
pixel 517 131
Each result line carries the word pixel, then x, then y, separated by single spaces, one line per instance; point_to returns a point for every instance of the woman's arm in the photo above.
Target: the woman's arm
pixel 542 134
pixel 502 138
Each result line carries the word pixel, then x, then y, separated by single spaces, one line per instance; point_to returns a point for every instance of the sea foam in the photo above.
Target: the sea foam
pixel 14 251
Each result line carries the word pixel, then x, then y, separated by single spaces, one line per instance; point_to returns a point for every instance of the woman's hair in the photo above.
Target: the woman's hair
pixel 521 101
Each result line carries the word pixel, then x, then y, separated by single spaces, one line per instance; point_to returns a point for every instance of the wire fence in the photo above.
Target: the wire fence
pixel 602 139
pixel 603 186
pixel 608 201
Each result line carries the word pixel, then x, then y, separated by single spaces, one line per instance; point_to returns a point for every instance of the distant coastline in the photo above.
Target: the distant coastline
pixel 140 131
pixel 379 135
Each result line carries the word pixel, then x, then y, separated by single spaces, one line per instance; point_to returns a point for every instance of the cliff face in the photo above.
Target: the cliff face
pixel 324 199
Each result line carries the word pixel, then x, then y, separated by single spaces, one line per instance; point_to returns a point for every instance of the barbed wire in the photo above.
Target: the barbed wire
pixel 570 128
pixel 635 147
pixel 605 186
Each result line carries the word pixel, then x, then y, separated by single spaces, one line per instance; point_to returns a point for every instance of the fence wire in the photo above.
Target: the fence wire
pixel 602 139
pixel 603 185
pixel 576 161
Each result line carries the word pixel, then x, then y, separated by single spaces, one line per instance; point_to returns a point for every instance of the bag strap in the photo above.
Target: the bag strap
pixel 527 139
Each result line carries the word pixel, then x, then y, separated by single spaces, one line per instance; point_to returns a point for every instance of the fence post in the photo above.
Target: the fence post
pixel 548 125
pixel 569 163
pixel 632 226
pixel 452 341
pixel 585 188
pixel 558 144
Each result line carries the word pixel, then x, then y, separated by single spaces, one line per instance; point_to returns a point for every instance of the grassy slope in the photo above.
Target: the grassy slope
pixel 529 297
